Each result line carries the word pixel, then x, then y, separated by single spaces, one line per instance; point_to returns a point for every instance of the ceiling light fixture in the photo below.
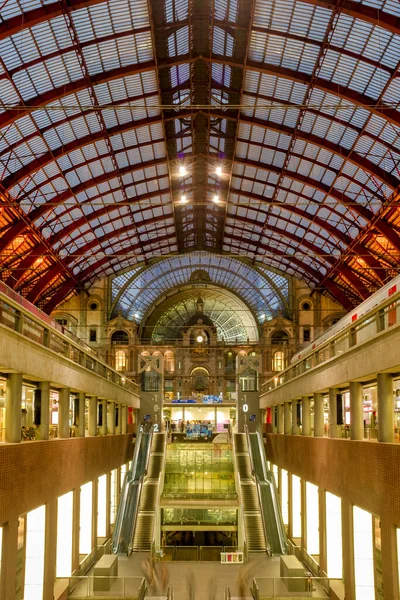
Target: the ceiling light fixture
pixel 218 171
pixel 216 198
pixel 183 199
pixel 182 171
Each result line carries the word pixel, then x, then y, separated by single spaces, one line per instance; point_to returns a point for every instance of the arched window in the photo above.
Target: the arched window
pixel 249 380
pixel 278 361
pixel 169 362
pixel 120 337
pixel 279 337
pixel 120 360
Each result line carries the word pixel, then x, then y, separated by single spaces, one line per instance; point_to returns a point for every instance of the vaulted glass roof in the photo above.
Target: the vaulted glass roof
pixel 136 291
pixel 285 116
pixel 232 319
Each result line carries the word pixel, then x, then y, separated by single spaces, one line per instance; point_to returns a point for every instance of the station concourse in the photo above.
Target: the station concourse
pixel 199 299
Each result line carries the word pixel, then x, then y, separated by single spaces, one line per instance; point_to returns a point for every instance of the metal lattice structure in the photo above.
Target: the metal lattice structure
pixel 137 290
pixel 103 103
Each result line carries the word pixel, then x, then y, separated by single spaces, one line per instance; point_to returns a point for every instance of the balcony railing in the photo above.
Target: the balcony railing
pixel 19 315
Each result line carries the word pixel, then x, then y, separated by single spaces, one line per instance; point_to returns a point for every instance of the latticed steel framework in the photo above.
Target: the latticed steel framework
pixel 103 103
pixel 137 290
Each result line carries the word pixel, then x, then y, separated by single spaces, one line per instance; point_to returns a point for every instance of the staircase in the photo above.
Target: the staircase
pixel 148 500
pixel 251 509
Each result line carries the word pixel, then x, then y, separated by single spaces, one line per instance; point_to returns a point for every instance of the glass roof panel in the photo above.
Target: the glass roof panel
pixel 135 291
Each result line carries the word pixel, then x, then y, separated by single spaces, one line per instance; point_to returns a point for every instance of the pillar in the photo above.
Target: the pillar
pixel 124 418
pixel 280 424
pixel 13 408
pixel 43 426
pixel 50 549
pixel 118 424
pixel 274 418
pixel 287 418
pixel 305 416
pixel 75 528
pixel 295 425
pixel 318 415
pixel 347 549
pixel 63 413
pixel 9 560
pixel 356 411
pixel 80 429
pixel 92 420
pixel 103 426
pixel 385 407
pixel 111 417
pixel 333 413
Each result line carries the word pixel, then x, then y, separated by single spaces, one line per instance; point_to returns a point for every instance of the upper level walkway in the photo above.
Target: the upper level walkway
pixel 358 352
pixel 34 344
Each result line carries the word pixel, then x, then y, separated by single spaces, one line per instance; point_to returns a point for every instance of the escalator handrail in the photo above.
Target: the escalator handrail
pixel 263 477
pixel 238 482
pixel 131 478
pixel 140 486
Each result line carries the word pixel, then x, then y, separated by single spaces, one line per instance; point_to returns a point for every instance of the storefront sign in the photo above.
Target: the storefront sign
pixel 183 401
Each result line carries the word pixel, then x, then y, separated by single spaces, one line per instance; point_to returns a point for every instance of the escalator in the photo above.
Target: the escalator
pixel 255 538
pixel 271 515
pixel 125 523
pixel 144 530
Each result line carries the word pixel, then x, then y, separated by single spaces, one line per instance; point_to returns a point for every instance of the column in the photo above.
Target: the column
pixel 80 430
pixel 274 418
pixel 118 424
pixel 124 418
pixel 63 413
pixel 356 411
pixel 295 425
pixel 287 418
pixel 318 415
pixel 385 407
pixel 347 549
pixel 44 392
pixel 103 426
pixel 9 556
pixel 92 421
pixel 111 417
pixel 13 408
pixel 305 415
pixel 75 529
pixel 50 549
pixel 281 426
pixel 333 413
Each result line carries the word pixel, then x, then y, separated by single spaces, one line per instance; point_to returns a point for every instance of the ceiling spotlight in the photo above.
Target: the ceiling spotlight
pixel 218 171
pixel 183 199
pixel 216 198
pixel 182 171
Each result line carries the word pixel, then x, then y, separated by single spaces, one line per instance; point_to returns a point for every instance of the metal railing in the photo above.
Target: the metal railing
pixel 303 556
pixel 99 587
pixel 27 320
pixel 240 523
pixel 379 320
pixel 194 553
pixel 290 587
pixel 128 507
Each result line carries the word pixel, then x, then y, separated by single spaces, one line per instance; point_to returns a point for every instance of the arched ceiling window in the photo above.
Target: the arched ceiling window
pixel 233 320
pixel 263 290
